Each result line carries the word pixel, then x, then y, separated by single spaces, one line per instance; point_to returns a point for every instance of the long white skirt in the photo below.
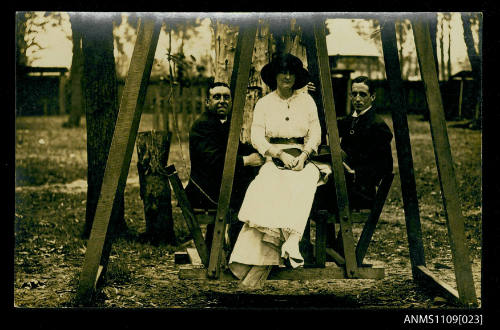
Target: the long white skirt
pixel 277 204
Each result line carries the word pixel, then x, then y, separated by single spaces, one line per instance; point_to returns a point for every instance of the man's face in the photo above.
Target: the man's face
pixel 360 97
pixel 219 101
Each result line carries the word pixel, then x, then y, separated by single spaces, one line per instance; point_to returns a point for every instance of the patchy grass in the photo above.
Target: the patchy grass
pixel 49 251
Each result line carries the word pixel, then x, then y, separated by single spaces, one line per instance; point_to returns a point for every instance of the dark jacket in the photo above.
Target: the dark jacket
pixel 366 142
pixel 207 150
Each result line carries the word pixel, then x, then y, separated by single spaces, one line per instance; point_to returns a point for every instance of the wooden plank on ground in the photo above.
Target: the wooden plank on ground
pixel 446 289
pixel 245 59
pixel 120 152
pixel 331 271
pixel 334 143
pixel 194 257
pixel 403 145
pixel 181 258
pixel 187 213
pixel 444 162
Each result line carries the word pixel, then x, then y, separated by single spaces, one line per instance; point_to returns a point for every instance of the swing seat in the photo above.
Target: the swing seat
pixel 318 271
pixel 331 246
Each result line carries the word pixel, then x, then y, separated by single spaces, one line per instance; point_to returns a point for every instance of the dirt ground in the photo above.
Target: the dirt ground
pixel 143 275
pixel 49 254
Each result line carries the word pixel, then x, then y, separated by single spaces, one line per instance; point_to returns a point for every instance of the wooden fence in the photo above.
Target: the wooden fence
pixel 175 107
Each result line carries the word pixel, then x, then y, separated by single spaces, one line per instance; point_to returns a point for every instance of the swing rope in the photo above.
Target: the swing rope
pixel 174 117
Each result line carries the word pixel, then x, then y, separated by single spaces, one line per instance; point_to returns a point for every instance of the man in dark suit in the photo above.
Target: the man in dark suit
pixel 207 150
pixel 366 142
pixel 366 150
pixel 366 154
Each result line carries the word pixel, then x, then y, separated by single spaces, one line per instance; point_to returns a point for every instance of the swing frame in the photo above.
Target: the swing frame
pixel 119 157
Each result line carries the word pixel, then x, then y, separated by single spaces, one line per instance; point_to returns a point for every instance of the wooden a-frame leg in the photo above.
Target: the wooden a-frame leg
pixel 246 40
pixel 444 162
pixel 334 142
pixel 403 146
pixel 120 151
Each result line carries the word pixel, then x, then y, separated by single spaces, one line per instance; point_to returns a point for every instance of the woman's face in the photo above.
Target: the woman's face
pixel 285 80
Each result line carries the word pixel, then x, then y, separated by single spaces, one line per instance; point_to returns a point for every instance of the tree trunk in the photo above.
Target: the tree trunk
pixel 152 151
pixel 475 59
pixel 256 87
pixel 101 107
pixel 448 19
pixel 77 105
pixel 441 46
pixel 433 32
pixel 401 41
pixel 225 46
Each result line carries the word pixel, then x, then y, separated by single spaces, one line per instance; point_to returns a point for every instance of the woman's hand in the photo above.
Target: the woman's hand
pixel 299 162
pixel 287 159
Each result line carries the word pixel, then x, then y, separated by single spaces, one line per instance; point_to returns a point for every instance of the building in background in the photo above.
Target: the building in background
pixel 347 50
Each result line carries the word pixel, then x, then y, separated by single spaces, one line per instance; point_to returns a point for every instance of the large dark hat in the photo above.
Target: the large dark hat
pixel 283 62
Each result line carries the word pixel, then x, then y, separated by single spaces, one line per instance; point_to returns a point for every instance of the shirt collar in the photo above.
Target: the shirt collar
pixel 294 94
pixel 355 114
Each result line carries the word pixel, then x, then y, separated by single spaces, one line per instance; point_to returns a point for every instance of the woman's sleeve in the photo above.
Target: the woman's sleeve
pixel 313 138
pixel 258 131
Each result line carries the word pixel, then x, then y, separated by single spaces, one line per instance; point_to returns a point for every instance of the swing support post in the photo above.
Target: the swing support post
pixel 444 162
pixel 246 42
pixel 120 152
pixel 334 142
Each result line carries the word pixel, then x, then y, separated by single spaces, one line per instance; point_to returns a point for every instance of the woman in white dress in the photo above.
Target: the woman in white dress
pixel 278 201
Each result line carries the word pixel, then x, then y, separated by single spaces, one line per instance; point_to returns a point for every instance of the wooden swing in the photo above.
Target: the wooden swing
pixel 351 266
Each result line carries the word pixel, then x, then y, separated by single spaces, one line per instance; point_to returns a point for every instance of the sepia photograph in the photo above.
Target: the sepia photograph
pixel 263 160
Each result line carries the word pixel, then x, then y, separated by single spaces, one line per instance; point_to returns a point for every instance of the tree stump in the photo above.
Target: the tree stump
pixel 152 150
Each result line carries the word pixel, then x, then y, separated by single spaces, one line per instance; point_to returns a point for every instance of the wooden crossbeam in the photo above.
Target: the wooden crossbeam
pixel 339 260
pixel 246 43
pixel 444 162
pixel 120 152
pixel 334 143
pixel 330 271
pixel 403 145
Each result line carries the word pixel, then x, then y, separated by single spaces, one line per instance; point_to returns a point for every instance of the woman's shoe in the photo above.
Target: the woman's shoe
pixel 290 250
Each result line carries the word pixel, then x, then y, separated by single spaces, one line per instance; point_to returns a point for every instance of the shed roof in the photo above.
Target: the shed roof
pixel 344 40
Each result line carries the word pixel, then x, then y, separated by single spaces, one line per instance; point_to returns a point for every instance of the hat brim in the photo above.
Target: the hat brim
pixel 269 72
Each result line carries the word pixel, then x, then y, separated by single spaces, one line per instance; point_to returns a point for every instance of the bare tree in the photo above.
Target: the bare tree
pixel 101 108
pixel 433 32
pixel 77 104
pixel 256 87
pixel 447 17
pixel 441 48
pixel 475 57
pixel 225 47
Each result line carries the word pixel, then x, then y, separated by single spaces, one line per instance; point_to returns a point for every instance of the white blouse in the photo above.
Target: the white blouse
pixel 294 117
